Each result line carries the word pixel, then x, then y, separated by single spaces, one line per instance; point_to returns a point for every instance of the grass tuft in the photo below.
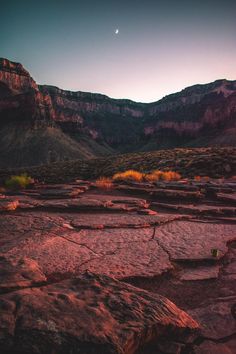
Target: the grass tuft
pixel 19 182
pixel 104 183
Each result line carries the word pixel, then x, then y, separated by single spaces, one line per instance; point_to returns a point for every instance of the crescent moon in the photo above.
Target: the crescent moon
pixel 117 31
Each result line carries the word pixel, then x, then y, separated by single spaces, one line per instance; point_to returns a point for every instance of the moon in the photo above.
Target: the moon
pixel 117 31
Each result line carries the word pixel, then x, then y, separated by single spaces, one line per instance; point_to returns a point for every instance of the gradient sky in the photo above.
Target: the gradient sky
pixel 162 45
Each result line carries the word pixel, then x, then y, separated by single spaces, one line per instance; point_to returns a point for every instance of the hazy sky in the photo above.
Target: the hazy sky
pixel 162 45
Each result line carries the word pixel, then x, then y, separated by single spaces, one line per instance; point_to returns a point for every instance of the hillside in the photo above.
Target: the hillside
pixel 212 162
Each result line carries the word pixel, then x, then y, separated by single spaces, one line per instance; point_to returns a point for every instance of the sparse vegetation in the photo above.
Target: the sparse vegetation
pixel 104 183
pixel 154 176
pixel 204 162
pixel 18 182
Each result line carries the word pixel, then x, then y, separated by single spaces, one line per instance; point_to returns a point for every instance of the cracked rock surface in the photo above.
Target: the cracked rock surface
pixel 63 246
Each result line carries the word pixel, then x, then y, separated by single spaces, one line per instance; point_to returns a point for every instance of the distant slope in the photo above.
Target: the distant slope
pixel 27 145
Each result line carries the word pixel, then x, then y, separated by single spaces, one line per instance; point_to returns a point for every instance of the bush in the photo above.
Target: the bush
pixel 130 175
pixel 201 179
pixel 158 175
pixel 104 183
pixel 19 182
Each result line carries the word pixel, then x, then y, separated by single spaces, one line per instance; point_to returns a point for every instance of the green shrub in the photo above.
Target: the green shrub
pixel 19 182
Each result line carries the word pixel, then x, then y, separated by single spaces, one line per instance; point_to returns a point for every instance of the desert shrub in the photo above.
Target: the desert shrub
pixel 104 183
pixel 18 182
pixel 202 178
pixel 158 175
pixel 130 175
pixel 197 178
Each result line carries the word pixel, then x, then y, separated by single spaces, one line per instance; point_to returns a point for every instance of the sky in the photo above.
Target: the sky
pixel 162 46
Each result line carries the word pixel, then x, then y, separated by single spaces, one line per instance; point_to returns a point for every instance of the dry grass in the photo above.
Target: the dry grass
pixel 154 176
pixel 158 175
pixel 201 179
pixel 130 175
pixel 104 183
pixel 171 176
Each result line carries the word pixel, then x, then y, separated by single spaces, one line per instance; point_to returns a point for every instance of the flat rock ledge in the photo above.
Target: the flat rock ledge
pixel 86 314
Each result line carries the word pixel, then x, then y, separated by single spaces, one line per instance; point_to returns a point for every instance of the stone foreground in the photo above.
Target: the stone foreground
pixel 88 314
pixel 60 244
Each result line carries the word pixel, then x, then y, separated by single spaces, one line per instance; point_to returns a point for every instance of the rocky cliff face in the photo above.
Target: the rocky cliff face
pixel 20 97
pixel 14 77
pixel 198 115
pixel 95 115
pixel 195 107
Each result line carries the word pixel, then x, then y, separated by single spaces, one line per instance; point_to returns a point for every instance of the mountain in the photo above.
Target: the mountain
pixel 42 124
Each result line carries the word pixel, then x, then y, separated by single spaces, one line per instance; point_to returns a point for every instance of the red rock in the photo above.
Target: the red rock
pixel 147 212
pixel 89 314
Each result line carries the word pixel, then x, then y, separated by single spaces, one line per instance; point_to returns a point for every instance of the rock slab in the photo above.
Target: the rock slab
pixel 88 314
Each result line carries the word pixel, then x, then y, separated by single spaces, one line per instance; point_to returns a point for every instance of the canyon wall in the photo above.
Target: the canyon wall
pixel 201 114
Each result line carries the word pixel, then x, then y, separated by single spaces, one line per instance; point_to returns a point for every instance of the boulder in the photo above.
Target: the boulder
pixel 89 314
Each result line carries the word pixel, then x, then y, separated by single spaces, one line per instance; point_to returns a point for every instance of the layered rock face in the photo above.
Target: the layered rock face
pixel 197 112
pixel 115 122
pixel 20 97
pixel 200 115
pixel 29 134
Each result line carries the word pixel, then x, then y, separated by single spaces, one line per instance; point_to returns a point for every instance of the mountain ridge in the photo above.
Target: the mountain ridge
pixel 199 114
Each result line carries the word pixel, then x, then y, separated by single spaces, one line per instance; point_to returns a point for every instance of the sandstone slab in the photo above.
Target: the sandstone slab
pixel 200 273
pixel 89 314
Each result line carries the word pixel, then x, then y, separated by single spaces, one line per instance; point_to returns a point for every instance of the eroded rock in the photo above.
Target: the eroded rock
pixel 89 314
